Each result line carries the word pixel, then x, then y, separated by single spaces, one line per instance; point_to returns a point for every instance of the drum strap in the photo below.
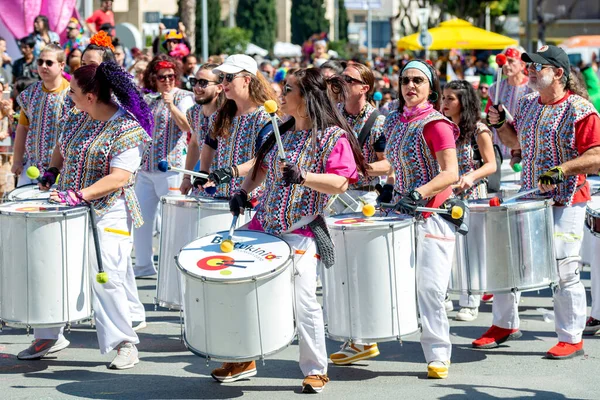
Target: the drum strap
pixel 366 129
pixel 325 246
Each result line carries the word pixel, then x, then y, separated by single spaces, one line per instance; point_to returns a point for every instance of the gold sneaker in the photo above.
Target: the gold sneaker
pixel 351 353
pixel 314 383
pixel 231 372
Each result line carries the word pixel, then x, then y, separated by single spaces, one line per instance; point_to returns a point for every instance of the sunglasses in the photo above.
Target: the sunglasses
pixel 349 79
pixel 229 77
pixel 41 62
pixel 417 80
pixel 203 83
pixel 72 28
pixel 163 78
pixel 286 89
pixel 537 67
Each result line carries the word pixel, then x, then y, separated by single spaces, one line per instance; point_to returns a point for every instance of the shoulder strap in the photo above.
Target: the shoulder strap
pixel 366 129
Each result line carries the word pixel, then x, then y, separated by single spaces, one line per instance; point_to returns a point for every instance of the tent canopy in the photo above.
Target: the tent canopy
pixel 458 34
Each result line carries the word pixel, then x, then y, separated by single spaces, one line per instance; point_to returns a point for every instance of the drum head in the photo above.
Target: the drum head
pixel 594 204
pixel 41 207
pixel 359 221
pixel 27 192
pixel 255 255
pixel 213 204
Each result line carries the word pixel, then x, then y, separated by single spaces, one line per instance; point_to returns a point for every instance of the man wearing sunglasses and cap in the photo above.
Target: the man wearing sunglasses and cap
pixel 43 106
pixel 558 131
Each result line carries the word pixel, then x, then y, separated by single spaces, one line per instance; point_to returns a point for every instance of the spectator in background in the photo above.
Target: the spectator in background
pixel 6 62
pixel 333 67
pixel 26 67
pixel 102 16
pixel 75 38
pixel 120 55
pixel 277 89
pixel 214 59
pixel 320 51
pixel 190 64
pixel 74 60
pixel 268 71
pixel 137 70
pixel 592 83
pixel 42 34
pixel 483 90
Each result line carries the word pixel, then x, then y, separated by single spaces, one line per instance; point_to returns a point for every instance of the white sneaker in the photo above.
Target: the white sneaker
pixel 467 314
pixel 138 325
pixel 127 357
pixel 448 305
pixel 40 347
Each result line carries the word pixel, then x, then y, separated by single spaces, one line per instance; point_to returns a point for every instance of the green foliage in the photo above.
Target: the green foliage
pixel 308 18
pixel 342 21
pixel 234 40
pixel 341 47
pixel 259 17
pixel 214 26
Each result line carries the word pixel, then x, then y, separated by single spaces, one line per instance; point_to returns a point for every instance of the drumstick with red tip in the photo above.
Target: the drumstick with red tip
pixel 496 201
pixel 164 166
pixel 500 60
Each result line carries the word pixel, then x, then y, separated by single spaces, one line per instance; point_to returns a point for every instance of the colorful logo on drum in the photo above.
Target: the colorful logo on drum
pixel 250 249
pixel 352 221
pixel 222 263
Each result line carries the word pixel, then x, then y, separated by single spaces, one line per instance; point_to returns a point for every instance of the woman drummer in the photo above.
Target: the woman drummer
pixel 421 151
pixel 112 138
pixel 476 159
pixel 169 105
pixel 239 128
pixel 322 157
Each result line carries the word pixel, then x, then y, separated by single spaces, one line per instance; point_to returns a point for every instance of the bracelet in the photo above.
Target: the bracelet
pixel 235 171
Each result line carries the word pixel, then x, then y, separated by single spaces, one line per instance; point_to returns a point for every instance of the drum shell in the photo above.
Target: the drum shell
pixel 508 248
pixel 222 319
pixel 44 274
pixel 370 293
pixel 182 222
pixel 592 216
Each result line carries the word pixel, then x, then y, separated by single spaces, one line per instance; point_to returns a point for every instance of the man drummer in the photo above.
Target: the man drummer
pixel 43 106
pixel 558 131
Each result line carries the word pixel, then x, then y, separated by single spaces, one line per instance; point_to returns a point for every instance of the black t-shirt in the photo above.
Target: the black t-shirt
pixel 21 68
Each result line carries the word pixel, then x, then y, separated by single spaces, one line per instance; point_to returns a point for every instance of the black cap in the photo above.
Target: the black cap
pixel 551 55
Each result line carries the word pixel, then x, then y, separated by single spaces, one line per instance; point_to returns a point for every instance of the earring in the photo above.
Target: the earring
pixel 298 112
pixel 433 97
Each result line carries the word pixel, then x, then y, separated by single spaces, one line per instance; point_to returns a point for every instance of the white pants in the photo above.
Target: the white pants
pixel 569 295
pixel 23 178
pixel 436 243
pixel 136 308
pixel 590 254
pixel 469 300
pixel 309 315
pixel 149 188
pixel 111 309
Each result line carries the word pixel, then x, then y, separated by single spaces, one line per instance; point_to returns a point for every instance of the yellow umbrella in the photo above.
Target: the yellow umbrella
pixel 458 34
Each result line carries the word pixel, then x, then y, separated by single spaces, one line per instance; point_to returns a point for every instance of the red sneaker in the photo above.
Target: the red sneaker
pixel 487 298
pixel 564 350
pixel 495 336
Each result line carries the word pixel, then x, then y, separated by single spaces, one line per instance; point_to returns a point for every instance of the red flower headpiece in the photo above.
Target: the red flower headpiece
pixel 103 40
pixel 164 65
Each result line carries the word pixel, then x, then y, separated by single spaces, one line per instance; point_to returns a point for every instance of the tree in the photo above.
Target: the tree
pixel 214 26
pixel 308 18
pixel 544 20
pixel 234 40
pixel 187 13
pixel 342 21
pixel 259 17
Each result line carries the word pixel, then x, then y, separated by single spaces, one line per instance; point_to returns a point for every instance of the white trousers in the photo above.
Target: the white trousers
pixel 569 295
pixel 436 243
pixel 23 178
pixel 149 188
pixel 136 308
pixel 469 300
pixel 111 309
pixel 590 254
pixel 309 315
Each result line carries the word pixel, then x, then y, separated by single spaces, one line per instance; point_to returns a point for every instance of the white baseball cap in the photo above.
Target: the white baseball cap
pixel 237 63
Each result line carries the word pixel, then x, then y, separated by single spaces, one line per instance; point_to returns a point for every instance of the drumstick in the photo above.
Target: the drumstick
pixel 496 201
pixel 164 166
pixel 271 108
pixel 500 60
pixel 456 212
pixel 227 244
pixel 101 277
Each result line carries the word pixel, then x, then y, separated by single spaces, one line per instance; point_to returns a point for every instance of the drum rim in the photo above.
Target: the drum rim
pixel 408 221
pixel 482 205
pixel 211 203
pixel 69 211
pixel 528 288
pixel 267 274
pixel 77 321
pixel 180 201
pixel 167 304
pixel 10 196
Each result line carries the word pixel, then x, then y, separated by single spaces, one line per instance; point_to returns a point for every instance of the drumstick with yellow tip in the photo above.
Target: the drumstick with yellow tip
pixel 271 107
pixel 368 210
pixel 456 212
pixel 227 244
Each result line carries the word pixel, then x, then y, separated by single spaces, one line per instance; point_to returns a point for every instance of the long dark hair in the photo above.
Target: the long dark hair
pixel 469 109
pixel 45 22
pixel 321 110
pixel 107 79
pixel 434 98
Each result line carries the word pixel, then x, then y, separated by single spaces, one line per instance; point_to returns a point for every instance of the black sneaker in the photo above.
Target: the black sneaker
pixel 592 326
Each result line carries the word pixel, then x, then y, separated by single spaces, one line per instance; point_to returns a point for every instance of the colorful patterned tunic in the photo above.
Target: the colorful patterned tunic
pixel 374 144
pixel 45 112
pixel 89 145
pixel 198 122
pixel 509 97
pixel 547 137
pixel 239 146
pixel 282 206
pixel 408 152
pixel 466 165
pixel 169 142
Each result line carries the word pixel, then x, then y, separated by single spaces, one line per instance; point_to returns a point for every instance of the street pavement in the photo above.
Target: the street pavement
pixel 168 371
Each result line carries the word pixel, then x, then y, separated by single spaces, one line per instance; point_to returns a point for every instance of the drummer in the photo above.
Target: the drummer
pixel 239 127
pixel 209 98
pixel 421 150
pixel 476 159
pixel 367 125
pixel 111 137
pixel 323 156
pixel 169 142
pixel 43 106
pixel 99 50
pixel 511 90
pixel 559 132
